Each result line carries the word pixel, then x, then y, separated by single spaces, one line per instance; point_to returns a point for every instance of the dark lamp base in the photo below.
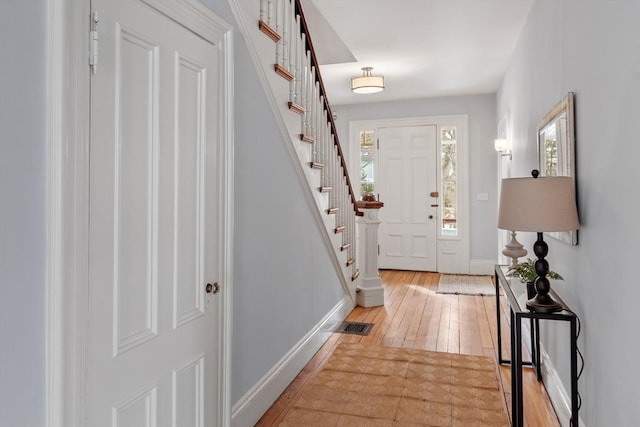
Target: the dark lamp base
pixel 543 304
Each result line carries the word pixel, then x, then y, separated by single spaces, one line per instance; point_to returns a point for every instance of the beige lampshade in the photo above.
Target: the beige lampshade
pixel 538 204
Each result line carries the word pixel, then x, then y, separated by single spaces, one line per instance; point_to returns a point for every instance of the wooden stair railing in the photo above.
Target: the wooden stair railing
pixel 283 21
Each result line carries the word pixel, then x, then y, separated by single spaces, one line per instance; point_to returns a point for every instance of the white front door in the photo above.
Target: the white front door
pixel 154 223
pixel 407 176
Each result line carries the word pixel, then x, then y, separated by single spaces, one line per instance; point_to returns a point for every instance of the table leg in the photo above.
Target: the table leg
pixel 574 374
pixel 537 349
pixel 498 321
pixel 515 411
pixel 517 350
pixel 532 330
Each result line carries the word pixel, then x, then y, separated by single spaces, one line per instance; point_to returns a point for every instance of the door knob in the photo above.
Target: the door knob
pixel 213 289
pixel 430 216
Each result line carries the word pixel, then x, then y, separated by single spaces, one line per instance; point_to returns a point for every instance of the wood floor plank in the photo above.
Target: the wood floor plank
pixel 434 325
pixel 414 316
pixel 483 323
pixel 453 340
pixel 470 341
pixel 420 304
pixel 427 314
pixel 442 343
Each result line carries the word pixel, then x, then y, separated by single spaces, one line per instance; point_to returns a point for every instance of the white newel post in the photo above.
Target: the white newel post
pixel 370 292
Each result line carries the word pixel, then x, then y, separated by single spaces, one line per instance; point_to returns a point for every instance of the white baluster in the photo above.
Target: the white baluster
pixel 300 63
pixel 325 156
pixel 285 33
pixel 338 186
pixel 269 12
pixel 338 173
pixel 352 234
pixel 330 164
pixel 320 138
pixel 310 103
pixel 347 219
pixel 278 20
pixel 310 94
pixel 313 96
pixel 296 64
pixel 293 49
pixel 303 81
pixel 343 211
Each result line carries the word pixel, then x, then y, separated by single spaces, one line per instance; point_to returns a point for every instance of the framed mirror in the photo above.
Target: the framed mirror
pixel 556 150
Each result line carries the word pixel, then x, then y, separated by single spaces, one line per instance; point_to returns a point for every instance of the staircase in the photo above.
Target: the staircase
pixel 278 37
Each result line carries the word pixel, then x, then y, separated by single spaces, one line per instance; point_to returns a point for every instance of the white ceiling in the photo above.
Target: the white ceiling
pixel 424 48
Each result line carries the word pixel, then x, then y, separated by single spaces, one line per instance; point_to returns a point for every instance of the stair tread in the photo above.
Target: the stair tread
pixel 307 138
pixel 269 31
pixel 297 108
pixel 283 72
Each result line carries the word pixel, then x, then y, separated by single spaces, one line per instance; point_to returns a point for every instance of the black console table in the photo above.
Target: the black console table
pixel 516 294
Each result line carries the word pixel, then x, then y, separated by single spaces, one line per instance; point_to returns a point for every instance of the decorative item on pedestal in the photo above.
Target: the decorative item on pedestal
pixel 514 250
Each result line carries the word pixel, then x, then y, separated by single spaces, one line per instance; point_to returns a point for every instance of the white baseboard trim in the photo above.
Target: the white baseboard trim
pixel 481 266
pixel 248 410
pixel 370 297
pixel 557 393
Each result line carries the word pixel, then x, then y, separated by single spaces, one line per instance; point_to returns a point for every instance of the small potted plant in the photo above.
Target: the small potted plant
pixel 366 189
pixel 525 271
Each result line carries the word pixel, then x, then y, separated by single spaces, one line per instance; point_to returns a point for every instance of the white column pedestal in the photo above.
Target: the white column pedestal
pixel 370 292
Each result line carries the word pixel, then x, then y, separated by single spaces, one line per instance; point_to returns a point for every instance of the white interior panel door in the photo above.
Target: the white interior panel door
pixel 152 333
pixel 407 174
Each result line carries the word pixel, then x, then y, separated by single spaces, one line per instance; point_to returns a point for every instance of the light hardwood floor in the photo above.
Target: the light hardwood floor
pixel 415 316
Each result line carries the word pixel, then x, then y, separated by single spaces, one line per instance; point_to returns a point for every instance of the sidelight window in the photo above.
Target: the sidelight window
pixel 367 163
pixel 449 181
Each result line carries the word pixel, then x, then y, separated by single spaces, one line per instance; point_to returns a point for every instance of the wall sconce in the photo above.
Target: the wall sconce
pixel 502 146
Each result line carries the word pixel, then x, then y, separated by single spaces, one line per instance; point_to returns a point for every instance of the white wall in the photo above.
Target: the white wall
pixel 482 157
pixel 285 282
pixel 593 49
pixel 22 221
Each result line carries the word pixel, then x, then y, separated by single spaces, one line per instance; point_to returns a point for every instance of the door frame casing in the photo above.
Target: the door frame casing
pixel 67 200
pixel 461 264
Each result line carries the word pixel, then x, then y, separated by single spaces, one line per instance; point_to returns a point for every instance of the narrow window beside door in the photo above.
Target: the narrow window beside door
pixel 449 182
pixel 367 163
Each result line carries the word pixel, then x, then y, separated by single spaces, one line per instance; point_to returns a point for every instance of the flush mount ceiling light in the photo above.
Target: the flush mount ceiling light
pixel 366 83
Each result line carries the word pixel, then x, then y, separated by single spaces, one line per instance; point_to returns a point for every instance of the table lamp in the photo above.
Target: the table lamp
pixel 539 204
